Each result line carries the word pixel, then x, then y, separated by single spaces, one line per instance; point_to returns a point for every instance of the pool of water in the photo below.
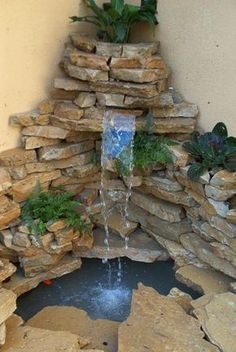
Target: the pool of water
pixel 101 289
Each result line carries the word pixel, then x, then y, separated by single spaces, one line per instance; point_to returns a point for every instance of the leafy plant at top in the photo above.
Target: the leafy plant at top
pixel 115 19
pixel 42 207
pixel 211 150
pixel 148 149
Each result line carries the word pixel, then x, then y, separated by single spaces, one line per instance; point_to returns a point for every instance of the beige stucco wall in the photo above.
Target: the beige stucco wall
pixel 198 40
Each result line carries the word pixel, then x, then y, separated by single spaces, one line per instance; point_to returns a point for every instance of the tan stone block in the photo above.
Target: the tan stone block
pixel 5 181
pixel 83 171
pixel 46 106
pixel 65 236
pixel 138 75
pixel 180 157
pixel 85 100
pixel 82 59
pixel 108 49
pixel 17 157
pixel 76 137
pixel 125 62
pixel 55 225
pixel 39 167
pixel 61 94
pixel 178 110
pixel 7 269
pixel 46 132
pixel 86 74
pixel 21 190
pixel 11 213
pixel 24 119
pixel 77 160
pixel 84 124
pixel 219 194
pixel 21 239
pixel 42 119
pixel 140 49
pixel 83 42
pixel 154 61
pixel 165 126
pixel 3 333
pixel 17 172
pixel 224 180
pixel 231 216
pixel 68 110
pixel 88 196
pixel 110 99
pixel 71 85
pixel 37 142
pixel 6 238
pixel 7 304
pixel 64 151
pixel 132 89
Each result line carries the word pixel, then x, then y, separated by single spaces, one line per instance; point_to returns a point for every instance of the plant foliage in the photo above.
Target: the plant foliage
pixel 211 150
pixel 115 19
pixel 42 207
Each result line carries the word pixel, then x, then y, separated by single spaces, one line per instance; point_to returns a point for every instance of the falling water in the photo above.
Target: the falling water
pixel 117 147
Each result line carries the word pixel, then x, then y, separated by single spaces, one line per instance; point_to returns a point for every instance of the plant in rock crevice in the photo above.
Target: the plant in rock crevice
pixel 148 149
pixel 115 19
pixel 211 150
pixel 42 207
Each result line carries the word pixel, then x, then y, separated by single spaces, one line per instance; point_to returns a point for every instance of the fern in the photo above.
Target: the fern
pixel 42 207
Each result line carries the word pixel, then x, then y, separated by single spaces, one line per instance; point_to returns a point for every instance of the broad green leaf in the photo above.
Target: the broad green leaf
pixel 220 130
pixel 195 171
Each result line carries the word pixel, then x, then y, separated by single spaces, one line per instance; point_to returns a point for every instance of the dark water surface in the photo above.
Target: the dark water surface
pixel 102 290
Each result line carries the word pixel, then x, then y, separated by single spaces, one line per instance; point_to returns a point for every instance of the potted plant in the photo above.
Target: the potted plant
pixel 116 18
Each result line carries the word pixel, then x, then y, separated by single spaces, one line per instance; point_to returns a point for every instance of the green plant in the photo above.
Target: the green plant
pixel 211 150
pixel 115 19
pixel 42 207
pixel 148 149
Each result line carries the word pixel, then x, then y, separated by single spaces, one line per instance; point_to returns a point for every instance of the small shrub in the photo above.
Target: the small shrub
pixel 115 19
pixel 211 150
pixel 42 207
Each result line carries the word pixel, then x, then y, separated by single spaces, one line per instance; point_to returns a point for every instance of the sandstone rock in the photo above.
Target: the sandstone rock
pixel 21 239
pixel 108 49
pixel 154 324
pixel 231 216
pixel 24 119
pixel 224 179
pixel 207 230
pixel 74 161
pixel 140 49
pixel 179 197
pixel 158 226
pixel 102 334
pixel 221 208
pixel 179 155
pixel 7 304
pixel 54 226
pixel 76 137
pixel 86 74
pixel 46 106
pixel 83 42
pixel 203 251
pixel 11 213
pixel 26 338
pixel 118 224
pixel 140 247
pixel 5 181
pixel 20 284
pixel 178 110
pixel 165 126
pixel 138 62
pixel 68 84
pixel 158 207
pixel 37 142
pixel 132 89
pixel 85 100
pixel 46 239
pixel 224 252
pixel 17 172
pixel 21 190
pixel 65 236
pixel 64 151
pixel 82 59
pixel 6 269
pixel 136 181
pixel 6 238
pixel 83 171
pixel 166 184
pixel 110 99
pixel 17 157
pixel 182 298
pixel 206 205
pixel 203 280
pixel 61 94
pixel 233 287
pixel 138 75
pixel 196 187
pixel 39 167
pixel 3 333
pixel 222 225
pixel 88 196
pixel 68 110
pixel 219 194
pixel 218 319
pixel 46 132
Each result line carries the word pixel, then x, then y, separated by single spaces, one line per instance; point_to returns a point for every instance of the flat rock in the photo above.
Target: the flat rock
pixel 88 60
pixel 85 100
pixel 224 180
pixel 116 100
pixel 69 84
pixel 5 181
pixel 17 157
pixel 203 251
pixel 219 194
pixel 178 110
pixel 165 183
pixel 37 142
pixel 11 213
pixel 108 49
pixel 83 42
pixel 138 75
pixel 118 224
pixel 203 280
pixel 64 150
pixel 26 338
pixel 86 74
pixel 231 216
pixel 154 324
pixel 7 304
pixel 158 207
pixel 140 247
pixel 3 333
pixel 218 319
pixel 101 333
pixel 140 49
pixel 20 284
pixel 68 110
pixel 182 298
pixel 7 269
pixel 46 132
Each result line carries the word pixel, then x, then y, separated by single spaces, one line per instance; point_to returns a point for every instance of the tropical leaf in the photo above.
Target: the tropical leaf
pixel 220 130
pixel 195 171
